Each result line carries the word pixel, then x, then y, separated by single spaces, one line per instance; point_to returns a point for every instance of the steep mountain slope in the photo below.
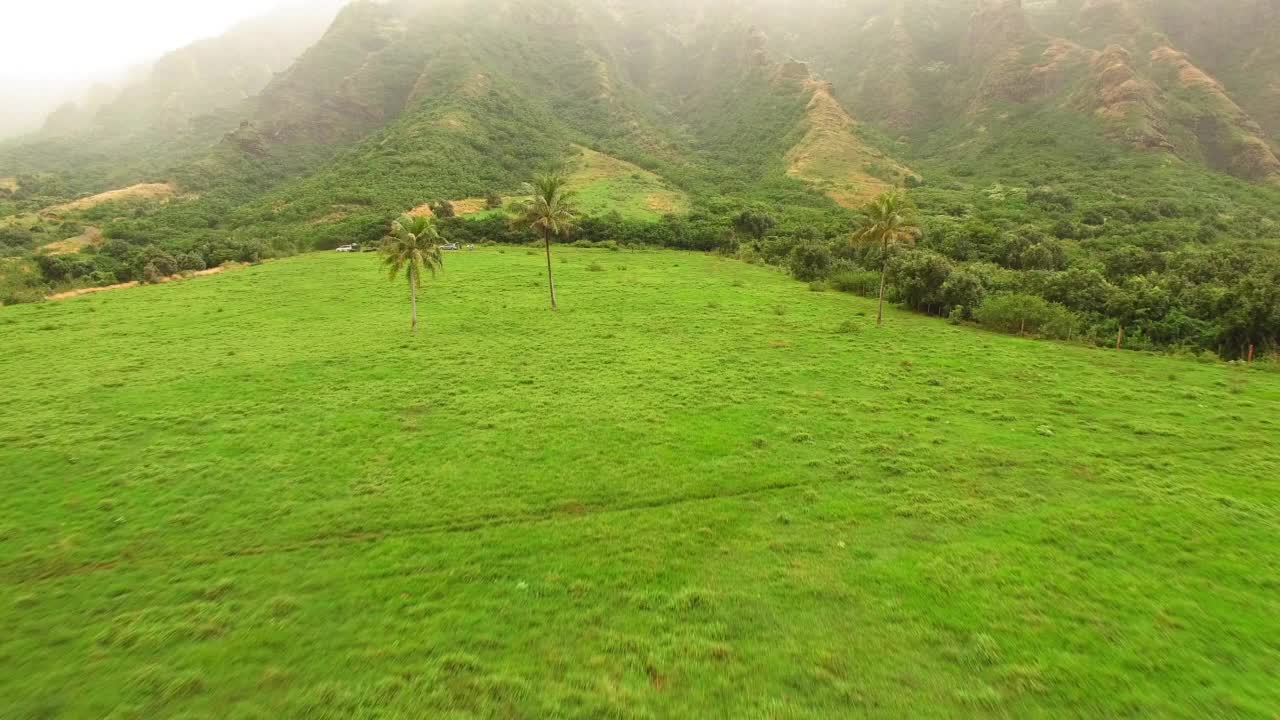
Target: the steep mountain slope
pixel 832 156
pixel 730 100
pixel 404 102
pixel 217 73
pixel 1153 94
pixel 1239 44
pixel 170 112
pixel 920 67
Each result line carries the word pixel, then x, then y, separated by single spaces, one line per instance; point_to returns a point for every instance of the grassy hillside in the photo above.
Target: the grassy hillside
pixel 1065 151
pixel 256 495
pixel 601 185
pixel 604 184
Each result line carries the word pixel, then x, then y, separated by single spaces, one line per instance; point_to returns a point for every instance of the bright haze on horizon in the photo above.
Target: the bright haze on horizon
pixel 52 51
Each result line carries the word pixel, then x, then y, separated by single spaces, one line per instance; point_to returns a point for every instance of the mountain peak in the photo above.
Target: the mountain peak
pixel 997 25
pixel 757 47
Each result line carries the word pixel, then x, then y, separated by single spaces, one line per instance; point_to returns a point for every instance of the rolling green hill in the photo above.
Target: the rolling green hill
pixel 531 514
pixel 256 494
pixel 234 485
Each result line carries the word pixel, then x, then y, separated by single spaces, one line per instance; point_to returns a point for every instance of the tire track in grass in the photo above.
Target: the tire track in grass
pixel 436 528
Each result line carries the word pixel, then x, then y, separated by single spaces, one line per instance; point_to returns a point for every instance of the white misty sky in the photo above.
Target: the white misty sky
pixel 51 50
pixel 80 39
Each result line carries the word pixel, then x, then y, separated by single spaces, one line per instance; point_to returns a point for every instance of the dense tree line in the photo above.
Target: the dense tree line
pixel 1138 290
pixel 1122 273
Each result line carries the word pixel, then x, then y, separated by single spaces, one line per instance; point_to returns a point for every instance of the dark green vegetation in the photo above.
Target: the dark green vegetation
pixel 1115 159
pixel 221 498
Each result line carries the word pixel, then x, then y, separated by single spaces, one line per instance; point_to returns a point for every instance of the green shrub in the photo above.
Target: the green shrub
pixel 918 276
pixel 848 327
pixel 1022 314
pixel 191 262
pixel 810 261
pixel 963 290
pixel 858 282
pixel 21 295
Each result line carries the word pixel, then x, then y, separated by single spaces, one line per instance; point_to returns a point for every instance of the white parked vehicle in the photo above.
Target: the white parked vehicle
pixel 449 246
pixel 347 248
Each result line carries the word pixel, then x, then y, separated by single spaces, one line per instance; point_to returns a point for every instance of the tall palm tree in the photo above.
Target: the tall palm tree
pixel 412 246
pixel 889 222
pixel 550 212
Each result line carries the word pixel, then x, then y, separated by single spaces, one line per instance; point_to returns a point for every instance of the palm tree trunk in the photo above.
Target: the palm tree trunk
pixel 413 300
pixel 880 313
pixel 546 239
pixel 884 268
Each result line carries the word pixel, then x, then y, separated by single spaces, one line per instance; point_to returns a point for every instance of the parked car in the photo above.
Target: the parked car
pixel 347 248
pixel 449 246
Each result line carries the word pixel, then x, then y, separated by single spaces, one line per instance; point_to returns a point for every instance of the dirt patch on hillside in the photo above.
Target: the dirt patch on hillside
pixel 121 286
pixel 90 291
pixel 1129 103
pixel 144 191
pixel 466 206
pixel 453 120
pixel 662 203
pixel 90 236
pixel 8 183
pixel 833 157
pixel 476 85
pixel 1191 77
pixel 332 217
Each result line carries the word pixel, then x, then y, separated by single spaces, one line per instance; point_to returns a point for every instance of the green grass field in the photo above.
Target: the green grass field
pixel 698 491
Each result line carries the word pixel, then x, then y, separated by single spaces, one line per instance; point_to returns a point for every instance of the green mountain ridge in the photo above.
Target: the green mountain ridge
pixel 171 112
pixel 649 82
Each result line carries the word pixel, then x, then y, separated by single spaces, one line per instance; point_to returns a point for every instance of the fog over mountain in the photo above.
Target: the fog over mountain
pixel 60 51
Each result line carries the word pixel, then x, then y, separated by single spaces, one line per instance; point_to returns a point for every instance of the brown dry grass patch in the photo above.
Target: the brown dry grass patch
pixel 121 286
pixel 465 206
pixel 90 236
pixel 832 156
pixel 142 191
pixel 663 203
